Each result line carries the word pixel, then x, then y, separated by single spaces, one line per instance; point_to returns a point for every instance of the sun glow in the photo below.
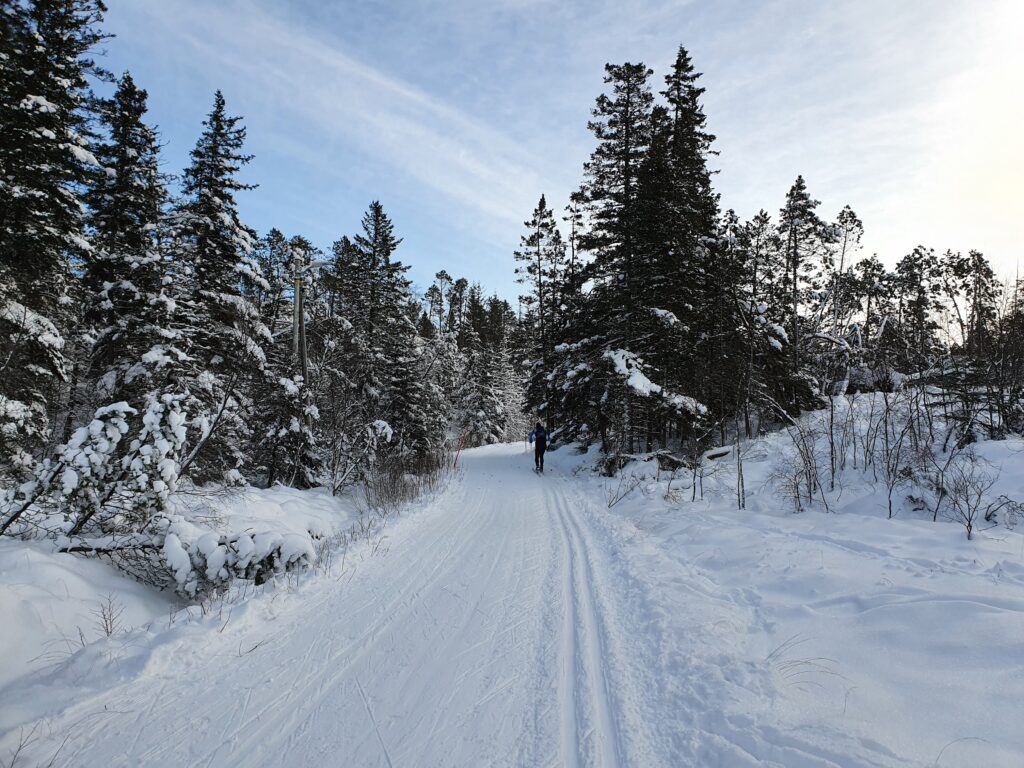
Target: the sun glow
pixel 975 176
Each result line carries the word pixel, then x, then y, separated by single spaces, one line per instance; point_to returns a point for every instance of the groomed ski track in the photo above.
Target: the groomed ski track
pixel 498 625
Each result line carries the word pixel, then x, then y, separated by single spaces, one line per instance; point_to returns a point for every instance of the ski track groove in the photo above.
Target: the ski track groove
pixel 593 651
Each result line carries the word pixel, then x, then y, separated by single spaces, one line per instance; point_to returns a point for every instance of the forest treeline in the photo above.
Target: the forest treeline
pixel 660 320
pixel 148 335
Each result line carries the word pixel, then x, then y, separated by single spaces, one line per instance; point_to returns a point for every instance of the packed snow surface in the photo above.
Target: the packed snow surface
pixel 518 620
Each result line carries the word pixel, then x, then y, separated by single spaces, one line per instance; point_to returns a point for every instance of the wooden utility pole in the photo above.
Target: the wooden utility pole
pixel 299 350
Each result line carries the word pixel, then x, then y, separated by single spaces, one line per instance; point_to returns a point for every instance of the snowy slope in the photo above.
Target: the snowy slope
pixel 516 620
pixel 52 602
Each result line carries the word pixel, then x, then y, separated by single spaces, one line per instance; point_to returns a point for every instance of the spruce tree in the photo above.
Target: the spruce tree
pixel 762 381
pixel 692 205
pixel 135 347
pixel 622 127
pixel 803 237
pixel 284 406
pixel 225 333
pixel 346 431
pixel 44 165
pixel 541 269
pixel 393 363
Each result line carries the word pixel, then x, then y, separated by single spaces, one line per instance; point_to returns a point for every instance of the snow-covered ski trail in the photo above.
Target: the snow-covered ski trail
pixel 512 621
pixel 438 651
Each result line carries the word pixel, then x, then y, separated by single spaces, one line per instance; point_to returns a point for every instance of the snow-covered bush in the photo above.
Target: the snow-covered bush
pixel 198 561
pixel 88 474
pixel 153 461
pixel 94 485
pixel 82 479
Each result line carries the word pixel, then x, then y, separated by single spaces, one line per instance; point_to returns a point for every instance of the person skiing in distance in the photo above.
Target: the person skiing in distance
pixel 539 438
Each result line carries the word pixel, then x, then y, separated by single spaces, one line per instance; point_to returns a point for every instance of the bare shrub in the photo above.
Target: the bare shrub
pixel 940 464
pixel 808 461
pixel 107 616
pixel 895 455
pixel 393 482
pixel 626 485
pixel 788 479
pixel 971 479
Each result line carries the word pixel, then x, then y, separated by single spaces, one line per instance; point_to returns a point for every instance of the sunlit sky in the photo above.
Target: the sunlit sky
pixel 458 114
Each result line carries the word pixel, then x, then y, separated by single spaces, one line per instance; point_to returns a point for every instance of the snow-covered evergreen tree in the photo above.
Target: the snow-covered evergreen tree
pixel 541 270
pixel 225 333
pixel 136 349
pixel 283 400
pixel 44 164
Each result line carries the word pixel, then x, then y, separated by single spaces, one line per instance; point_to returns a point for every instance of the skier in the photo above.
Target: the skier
pixel 539 438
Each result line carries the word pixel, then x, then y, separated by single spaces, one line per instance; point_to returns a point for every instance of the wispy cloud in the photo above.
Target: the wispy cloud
pixel 304 86
pixel 463 112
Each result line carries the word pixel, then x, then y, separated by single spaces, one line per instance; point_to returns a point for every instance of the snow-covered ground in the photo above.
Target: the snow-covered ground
pixel 518 620
pixel 54 603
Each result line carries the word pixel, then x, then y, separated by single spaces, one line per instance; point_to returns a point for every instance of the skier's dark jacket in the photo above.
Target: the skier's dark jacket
pixel 541 438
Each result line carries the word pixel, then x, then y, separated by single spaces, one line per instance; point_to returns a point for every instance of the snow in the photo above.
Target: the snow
pixel 54 594
pixel 83 155
pixel 38 103
pixel 667 317
pixel 47 597
pixel 517 619
pixel 289 386
pixel 177 558
pixel 628 366
pixel 382 429
pixel 39 327
pixel 69 481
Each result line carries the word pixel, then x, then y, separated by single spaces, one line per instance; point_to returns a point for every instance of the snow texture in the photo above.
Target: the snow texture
pixel 518 620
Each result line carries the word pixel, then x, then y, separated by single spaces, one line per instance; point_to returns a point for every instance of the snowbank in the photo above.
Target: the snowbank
pixel 53 603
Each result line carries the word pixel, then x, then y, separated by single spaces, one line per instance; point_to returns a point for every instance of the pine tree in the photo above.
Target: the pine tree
pixel 44 163
pixel 542 264
pixel 832 303
pixel 972 290
pixel 760 341
pixel 874 293
pixel 692 206
pixel 284 405
pixel 347 428
pixel 803 238
pixel 127 310
pixel 622 126
pixel 916 282
pixel 393 366
pixel 377 302
pixel 456 296
pixel 225 333
pixel 847 233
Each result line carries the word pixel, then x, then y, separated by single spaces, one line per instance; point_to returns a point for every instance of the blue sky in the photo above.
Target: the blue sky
pixel 457 115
